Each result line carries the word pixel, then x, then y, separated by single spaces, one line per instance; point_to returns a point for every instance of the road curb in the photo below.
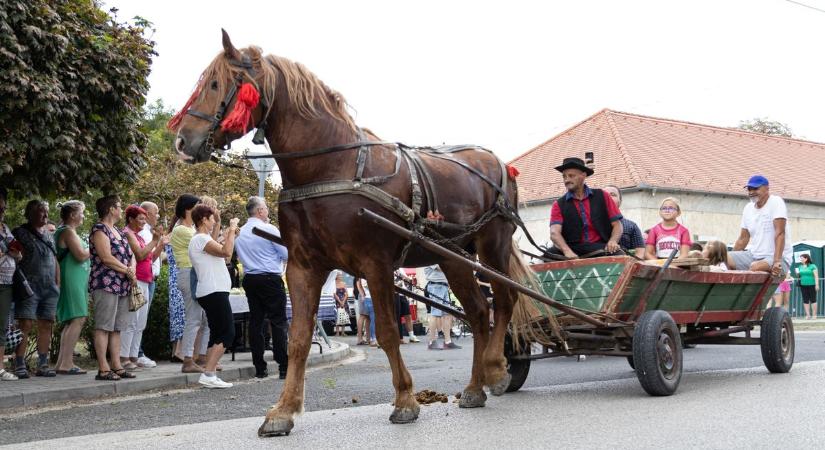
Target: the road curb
pixel 138 385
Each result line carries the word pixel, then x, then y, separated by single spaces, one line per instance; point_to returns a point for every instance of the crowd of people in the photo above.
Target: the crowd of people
pixel 50 273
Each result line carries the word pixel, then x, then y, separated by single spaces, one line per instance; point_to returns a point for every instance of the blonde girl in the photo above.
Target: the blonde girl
pixel 668 235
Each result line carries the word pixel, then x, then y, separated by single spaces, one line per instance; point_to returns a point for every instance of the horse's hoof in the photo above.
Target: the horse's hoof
pixel 404 415
pixel 472 399
pixel 276 427
pixel 501 387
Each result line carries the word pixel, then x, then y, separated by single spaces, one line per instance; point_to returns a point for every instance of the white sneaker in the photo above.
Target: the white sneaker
pixel 7 376
pixel 413 338
pixel 213 382
pixel 143 361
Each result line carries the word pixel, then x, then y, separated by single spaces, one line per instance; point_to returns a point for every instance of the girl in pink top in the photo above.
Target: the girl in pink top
pixel 669 234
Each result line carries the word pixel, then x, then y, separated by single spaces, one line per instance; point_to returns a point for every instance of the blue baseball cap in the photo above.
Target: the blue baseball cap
pixel 756 181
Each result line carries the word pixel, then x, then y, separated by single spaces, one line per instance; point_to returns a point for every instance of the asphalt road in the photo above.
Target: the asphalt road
pixel 738 408
pixel 364 380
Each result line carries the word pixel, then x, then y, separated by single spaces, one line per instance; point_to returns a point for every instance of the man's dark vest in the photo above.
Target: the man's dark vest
pixel 573 225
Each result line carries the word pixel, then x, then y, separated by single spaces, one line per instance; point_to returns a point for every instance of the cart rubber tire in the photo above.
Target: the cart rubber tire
pixel 630 361
pixel 517 368
pixel 657 353
pixel 777 340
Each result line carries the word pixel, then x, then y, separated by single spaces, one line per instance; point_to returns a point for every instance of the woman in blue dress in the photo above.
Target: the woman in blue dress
pixel 176 312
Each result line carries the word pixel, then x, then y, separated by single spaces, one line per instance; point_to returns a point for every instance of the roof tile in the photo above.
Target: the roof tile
pixel 631 150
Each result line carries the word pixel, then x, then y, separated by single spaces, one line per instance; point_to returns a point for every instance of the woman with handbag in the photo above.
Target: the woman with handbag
pixel 143 251
pixel 340 296
pixel 110 282
pixel 8 263
pixel 212 290
pixel 73 304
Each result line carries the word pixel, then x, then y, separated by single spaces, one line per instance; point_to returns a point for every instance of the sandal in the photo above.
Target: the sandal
pixel 106 376
pixel 21 373
pixel 122 373
pixel 45 371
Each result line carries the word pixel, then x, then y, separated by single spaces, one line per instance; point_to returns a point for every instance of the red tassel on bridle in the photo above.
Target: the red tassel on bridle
pixel 238 120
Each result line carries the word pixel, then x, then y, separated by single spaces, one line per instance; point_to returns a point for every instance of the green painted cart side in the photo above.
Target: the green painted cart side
pixel 616 285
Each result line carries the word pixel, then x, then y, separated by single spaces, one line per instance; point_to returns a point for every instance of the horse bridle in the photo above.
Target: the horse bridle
pixel 215 120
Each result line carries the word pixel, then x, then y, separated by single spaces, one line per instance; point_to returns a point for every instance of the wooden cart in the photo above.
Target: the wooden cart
pixel 650 312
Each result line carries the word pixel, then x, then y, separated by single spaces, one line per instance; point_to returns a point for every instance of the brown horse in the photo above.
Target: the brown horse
pixel 460 192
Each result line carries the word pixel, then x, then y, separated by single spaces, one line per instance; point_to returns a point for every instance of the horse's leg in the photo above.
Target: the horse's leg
pixel 386 329
pixel 463 283
pixel 305 293
pixel 495 252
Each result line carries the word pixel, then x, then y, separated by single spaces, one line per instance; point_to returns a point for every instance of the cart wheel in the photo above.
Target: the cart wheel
pixel 657 353
pixel 517 368
pixel 777 340
pixel 630 361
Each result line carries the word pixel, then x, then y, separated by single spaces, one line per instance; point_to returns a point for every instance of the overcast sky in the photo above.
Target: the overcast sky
pixel 510 75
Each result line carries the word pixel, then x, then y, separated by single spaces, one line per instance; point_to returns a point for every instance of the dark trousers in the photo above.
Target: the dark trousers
pixel 267 300
pixel 219 317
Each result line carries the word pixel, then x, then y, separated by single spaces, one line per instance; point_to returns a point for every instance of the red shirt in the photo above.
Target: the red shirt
pixel 589 233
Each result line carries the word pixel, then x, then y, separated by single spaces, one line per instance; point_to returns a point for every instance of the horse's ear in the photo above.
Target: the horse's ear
pixel 229 49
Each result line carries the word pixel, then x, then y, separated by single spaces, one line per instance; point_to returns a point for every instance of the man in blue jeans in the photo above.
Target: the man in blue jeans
pixel 263 263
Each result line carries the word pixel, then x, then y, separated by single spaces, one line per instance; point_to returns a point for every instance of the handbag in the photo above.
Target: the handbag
pixel 343 317
pixel 136 299
pixel 13 337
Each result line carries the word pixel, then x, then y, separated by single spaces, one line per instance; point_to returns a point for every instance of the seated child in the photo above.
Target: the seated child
pixel 668 235
pixel 716 253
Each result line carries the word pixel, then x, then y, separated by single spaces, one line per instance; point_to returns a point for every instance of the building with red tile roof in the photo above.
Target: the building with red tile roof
pixel 704 166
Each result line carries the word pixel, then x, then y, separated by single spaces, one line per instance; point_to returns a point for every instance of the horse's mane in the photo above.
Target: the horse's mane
pixel 306 92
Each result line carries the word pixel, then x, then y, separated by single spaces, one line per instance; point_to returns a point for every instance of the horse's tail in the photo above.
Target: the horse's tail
pixel 525 323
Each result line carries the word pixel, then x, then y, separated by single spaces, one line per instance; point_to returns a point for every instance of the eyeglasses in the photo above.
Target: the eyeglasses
pixel 668 208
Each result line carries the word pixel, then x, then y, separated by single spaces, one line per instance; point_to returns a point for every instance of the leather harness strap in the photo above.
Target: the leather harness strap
pixel 421 185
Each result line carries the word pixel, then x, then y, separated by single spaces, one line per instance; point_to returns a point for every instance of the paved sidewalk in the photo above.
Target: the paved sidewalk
pixel 37 391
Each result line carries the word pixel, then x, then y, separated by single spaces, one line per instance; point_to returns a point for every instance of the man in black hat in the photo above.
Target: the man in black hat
pixel 583 220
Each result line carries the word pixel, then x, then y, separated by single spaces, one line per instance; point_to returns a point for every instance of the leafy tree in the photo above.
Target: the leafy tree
pixel 72 91
pixel 765 126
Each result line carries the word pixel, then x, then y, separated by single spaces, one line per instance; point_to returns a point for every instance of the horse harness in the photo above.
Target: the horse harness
pixel 421 184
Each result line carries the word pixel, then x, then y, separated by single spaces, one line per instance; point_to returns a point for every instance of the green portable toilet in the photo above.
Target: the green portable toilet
pixel 817 251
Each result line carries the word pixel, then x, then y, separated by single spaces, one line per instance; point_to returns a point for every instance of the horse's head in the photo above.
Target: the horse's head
pixel 225 104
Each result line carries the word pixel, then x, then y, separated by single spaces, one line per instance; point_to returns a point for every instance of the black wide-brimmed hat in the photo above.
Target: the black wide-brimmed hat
pixel 574 163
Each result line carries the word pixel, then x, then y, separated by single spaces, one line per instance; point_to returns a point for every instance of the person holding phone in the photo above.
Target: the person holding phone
pixel 213 286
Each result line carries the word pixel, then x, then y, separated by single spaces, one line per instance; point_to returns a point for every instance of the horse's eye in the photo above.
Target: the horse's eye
pixel 214 85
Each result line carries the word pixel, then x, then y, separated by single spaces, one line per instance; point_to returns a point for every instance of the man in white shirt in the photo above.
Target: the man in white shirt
pixel 263 264
pixel 152 215
pixel 764 243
